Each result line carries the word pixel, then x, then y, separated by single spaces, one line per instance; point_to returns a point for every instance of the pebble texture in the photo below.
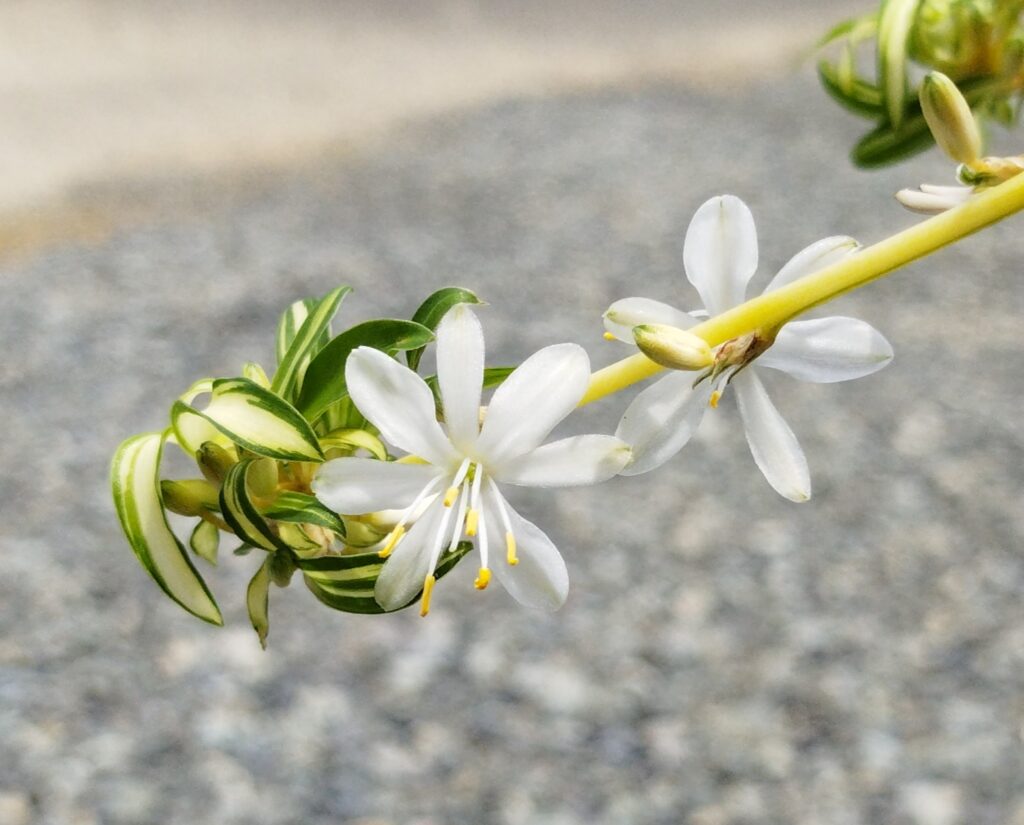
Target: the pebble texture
pixel 725 657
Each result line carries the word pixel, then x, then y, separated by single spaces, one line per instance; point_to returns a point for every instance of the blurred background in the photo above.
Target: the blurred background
pixel 174 174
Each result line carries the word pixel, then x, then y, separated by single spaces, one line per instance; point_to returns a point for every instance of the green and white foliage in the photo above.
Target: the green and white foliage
pixel 257 440
pixel 978 44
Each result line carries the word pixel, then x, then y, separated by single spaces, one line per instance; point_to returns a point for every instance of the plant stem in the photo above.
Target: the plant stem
pixel 775 308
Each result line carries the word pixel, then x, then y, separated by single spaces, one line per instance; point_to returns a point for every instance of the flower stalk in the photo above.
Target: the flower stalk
pixel 771 310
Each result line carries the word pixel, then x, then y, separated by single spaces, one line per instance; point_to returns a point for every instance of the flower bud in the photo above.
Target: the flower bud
pixel 214 461
pixel 950 118
pixel 672 347
pixel 189 497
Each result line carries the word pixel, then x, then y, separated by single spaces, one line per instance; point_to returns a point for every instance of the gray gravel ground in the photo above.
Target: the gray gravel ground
pixel 724 657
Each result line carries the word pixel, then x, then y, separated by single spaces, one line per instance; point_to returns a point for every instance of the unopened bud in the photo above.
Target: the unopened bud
pixel 950 118
pixel 672 347
pixel 214 461
pixel 255 373
pixel 189 497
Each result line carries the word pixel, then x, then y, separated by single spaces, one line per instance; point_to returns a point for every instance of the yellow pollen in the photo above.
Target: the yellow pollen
pixel 483 579
pixel 715 397
pixel 510 544
pixel 393 539
pixel 609 337
pixel 450 495
pixel 472 521
pixel 428 588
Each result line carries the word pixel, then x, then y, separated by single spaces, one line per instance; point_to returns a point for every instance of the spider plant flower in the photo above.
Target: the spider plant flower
pixel 455 469
pixel 720 257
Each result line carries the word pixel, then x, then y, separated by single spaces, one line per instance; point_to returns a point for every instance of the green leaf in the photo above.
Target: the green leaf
pixel 896 19
pixel 856 95
pixel 135 484
pixel 289 373
pixel 253 418
pixel 255 373
pixel 205 540
pixel 300 508
pixel 289 323
pixel 257 600
pixel 241 514
pixel 884 145
pixel 432 310
pixel 346 582
pixel 325 376
pixel 352 440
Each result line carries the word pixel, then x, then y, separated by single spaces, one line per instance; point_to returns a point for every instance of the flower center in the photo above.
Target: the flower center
pixel 464 515
pixel 731 357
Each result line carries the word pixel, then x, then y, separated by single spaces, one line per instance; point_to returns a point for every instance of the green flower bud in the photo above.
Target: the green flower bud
pixel 950 118
pixel 672 347
pixel 189 497
pixel 214 461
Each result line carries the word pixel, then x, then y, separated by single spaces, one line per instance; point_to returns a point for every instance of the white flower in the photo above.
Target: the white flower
pixel 720 257
pixel 458 467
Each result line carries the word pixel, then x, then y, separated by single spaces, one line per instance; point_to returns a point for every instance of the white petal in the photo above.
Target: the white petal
pixel 720 252
pixel 403 573
pixel 460 373
pixel 398 403
pixel 542 391
pixel 661 419
pixel 812 258
pixel 623 315
pixel 772 443
pixel 540 579
pixel 825 350
pixel 569 462
pixel 365 485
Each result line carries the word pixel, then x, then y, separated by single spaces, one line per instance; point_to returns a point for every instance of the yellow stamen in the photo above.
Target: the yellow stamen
pixel 393 539
pixel 428 588
pixel 609 337
pixel 472 522
pixel 510 544
pixel 483 579
pixel 715 398
pixel 450 495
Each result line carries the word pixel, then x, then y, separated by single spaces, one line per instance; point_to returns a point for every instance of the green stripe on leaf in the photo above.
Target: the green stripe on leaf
pixel 432 310
pixel 289 375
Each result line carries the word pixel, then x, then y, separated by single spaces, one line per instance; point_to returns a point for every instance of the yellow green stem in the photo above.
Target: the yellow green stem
pixel 775 308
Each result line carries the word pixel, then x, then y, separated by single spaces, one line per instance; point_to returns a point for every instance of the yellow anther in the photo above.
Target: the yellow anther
pixel 609 337
pixel 483 578
pixel 428 588
pixel 450 495
pixel 472 522
pixel 393 539
pixel 716 396
pixel 510 546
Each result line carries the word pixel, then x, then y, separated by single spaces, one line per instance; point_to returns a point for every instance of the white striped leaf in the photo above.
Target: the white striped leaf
pixel 253 418
pixel 241 514
pixel 895 21
pixel 288 377
pixel 135 483
pixel 257 601
pixel 300 508
pixel 351 440
pixel 205 540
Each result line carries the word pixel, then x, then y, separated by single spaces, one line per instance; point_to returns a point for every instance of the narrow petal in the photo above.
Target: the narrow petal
pixel 534 399
pixel 540 579
pixel 460 373
pixel 720 252
pixel 826 350
pixel 661 419
pixel 569 462
pixel 365 485
pixel 403 573
pixel 398 403
pixel 812 258
pixel 622 316
pixel 772 443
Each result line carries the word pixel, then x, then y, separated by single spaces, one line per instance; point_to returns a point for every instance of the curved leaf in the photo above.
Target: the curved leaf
pixel 896 18
pixel 257 601
pixel 290 371
pixel 253 418
pixel 205 540
pixel 352 439
pixel 135 484
pixel 325 384
pixel 241 514
pixel 856 95
pixel 432 310
pixel 300 508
